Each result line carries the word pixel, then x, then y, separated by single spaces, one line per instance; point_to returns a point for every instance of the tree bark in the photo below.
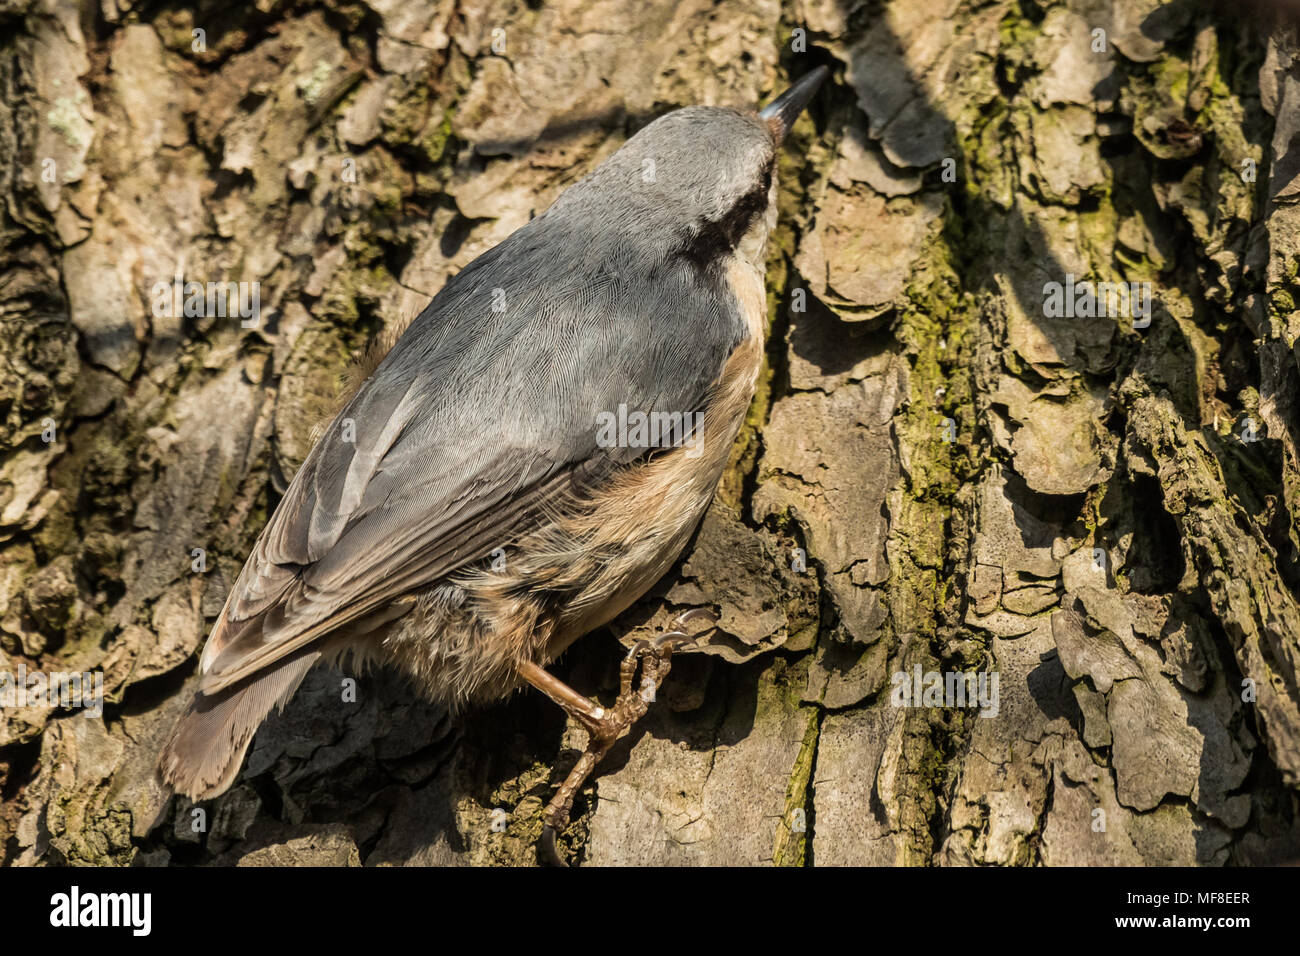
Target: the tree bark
pixel 937 475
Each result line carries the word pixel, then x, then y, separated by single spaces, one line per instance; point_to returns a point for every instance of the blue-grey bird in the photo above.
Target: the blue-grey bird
pixel 471 510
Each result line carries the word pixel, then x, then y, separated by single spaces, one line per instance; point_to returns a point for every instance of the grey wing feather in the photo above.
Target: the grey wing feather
pixel 476 419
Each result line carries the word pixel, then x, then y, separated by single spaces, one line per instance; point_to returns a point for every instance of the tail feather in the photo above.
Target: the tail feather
pixel 203 755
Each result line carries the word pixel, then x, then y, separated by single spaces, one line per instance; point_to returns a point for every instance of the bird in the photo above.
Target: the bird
pixel 473 509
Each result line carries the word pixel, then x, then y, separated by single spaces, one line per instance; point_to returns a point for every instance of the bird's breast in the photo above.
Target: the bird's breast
pixel 746 282
pixel 647 514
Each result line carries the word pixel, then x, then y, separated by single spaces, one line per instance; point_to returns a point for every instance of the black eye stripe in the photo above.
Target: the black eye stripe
pixel 716 237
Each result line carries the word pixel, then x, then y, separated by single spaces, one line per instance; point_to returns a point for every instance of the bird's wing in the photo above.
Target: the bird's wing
pixel 483 413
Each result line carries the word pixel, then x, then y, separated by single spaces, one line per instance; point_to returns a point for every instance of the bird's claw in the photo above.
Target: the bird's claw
pixel 637 649
pixel 547 851
pixel 673 640
pixel 653 659
pixel 694 614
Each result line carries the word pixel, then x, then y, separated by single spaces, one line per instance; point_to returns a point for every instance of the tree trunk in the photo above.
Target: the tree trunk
pixel 952 465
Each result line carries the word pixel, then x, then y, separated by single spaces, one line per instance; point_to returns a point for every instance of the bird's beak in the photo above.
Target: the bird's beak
pixel 785 109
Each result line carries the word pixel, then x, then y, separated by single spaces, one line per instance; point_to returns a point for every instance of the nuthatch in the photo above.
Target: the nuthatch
pixel 529 458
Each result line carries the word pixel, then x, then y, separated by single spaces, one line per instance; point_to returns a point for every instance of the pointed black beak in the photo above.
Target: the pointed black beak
pixel 785 109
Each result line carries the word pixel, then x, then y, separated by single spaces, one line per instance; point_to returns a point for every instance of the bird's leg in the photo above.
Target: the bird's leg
pixel 605 726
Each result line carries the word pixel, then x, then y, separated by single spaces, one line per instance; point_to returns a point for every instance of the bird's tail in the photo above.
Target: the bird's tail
pixel 206 748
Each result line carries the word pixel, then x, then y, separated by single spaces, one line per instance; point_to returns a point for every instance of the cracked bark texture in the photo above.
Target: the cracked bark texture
pixel 933 474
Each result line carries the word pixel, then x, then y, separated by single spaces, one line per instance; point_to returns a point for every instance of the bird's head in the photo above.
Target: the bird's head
pixel 700 180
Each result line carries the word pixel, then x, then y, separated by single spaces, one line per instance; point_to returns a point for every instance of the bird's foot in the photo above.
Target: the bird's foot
pixel 689 617
pixel 641 674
